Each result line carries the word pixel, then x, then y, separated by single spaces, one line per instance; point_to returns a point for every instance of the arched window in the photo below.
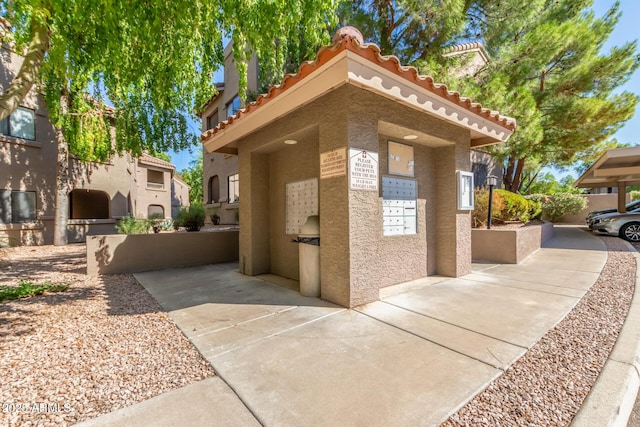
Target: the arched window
pixel 214 189
pixel 88 204
pixel 155 212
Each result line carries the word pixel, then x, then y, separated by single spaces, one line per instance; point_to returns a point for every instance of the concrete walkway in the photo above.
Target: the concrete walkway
pixel 412 358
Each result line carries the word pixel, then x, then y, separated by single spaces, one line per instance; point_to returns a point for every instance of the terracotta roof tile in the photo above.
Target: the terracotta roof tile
pixel 371 52
pixel 154 161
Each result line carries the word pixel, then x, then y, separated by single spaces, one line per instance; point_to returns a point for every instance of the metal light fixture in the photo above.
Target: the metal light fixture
pixel 290 141
pixel 410 137
pixel 491 181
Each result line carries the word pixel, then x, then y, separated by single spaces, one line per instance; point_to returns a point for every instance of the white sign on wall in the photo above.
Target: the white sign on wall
pixel 333 163
pixel 363 170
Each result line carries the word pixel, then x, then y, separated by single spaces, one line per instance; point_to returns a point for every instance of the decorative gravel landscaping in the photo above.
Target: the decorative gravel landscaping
pixel 101 345
pixel 105 344
pixel 548 384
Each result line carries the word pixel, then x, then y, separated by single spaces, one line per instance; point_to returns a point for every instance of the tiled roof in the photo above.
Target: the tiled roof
pixel 371 52
pixel 219 88
pixel 154 161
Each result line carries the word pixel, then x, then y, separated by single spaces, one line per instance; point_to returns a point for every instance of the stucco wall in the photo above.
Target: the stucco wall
pixel 509 246
pixel 356 259
pixel 78 230
pixel 223 165
pixel 149 195
pixel 292 164
pixel 219 164
pixel 113 254
pixel 21 235
pixel 29 165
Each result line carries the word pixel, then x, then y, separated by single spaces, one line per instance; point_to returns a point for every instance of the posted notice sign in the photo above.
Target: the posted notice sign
pixel 363 170
pixel 333 163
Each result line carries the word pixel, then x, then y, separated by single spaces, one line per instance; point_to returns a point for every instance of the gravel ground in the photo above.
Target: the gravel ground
pixel 548 384
pixel 102 345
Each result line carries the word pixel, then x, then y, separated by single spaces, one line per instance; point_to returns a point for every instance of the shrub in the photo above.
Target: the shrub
pixel 131 225
pixel 561 204
pixel 27 289
pixel 514 207
pixel 191 218
pixel 506 206
pixel 635 195
pixel 538 199
pixel 480 212
pixel 213 214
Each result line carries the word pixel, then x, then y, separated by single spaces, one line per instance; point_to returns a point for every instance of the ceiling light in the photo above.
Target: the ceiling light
pixel 290 141
pixel 410 137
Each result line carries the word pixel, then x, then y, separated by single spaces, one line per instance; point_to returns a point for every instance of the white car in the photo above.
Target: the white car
pixel 591 215
pixel 624 225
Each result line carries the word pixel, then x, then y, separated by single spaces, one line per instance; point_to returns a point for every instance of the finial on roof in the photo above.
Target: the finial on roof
pixel 350 32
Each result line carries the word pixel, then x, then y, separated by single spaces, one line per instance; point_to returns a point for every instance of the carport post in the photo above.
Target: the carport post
pixel 622 197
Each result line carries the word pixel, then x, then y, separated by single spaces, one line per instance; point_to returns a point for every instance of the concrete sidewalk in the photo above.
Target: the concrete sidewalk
pixel 412 358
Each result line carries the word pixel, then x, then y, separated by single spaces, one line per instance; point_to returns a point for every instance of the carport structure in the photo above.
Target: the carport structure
pixel 618 167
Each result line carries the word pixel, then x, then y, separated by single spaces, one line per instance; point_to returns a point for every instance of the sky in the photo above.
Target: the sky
pixel 626 30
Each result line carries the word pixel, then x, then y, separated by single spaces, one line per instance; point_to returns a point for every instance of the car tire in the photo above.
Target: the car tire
pixel 631 232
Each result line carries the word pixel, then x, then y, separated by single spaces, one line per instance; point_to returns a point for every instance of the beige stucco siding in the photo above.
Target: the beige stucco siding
pixel 296 163
pixel 356 258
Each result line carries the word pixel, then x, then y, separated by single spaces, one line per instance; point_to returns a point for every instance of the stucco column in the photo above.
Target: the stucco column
pixel 253 169
pixel 453 248
pixel 622 197
pixel 334 221
pixel 365 215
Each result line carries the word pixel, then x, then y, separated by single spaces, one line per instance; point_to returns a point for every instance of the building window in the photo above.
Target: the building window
pixel 214 189
pixel 17 206
pixel 480 172
pixel 234 189
pixel 233 106
pixel 20 124
pixel 155 212
pixel 88 204
pixel 211 120
pixel 155 179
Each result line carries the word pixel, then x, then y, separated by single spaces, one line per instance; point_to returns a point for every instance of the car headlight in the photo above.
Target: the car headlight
pixel 605 220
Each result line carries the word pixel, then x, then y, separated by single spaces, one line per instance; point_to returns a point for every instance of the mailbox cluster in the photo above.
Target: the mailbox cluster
pixel 399 206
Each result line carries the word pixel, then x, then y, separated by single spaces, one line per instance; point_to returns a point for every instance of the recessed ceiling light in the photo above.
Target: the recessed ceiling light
pixel 290 141
pixel 410 137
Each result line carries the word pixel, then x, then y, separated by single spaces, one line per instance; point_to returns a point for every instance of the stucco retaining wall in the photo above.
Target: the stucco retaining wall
pixel 594 203
pixel 29 234
pixel 509 246
pixel 112 254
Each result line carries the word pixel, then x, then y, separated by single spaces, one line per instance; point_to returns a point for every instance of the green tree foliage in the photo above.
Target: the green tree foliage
pixel 547 68
pixel 153 61
pixel 558 84
pixel 193 177
pixel 410 29
pixel 546 183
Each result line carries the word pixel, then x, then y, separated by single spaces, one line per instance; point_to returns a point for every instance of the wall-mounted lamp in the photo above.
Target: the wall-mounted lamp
pixel 491 181
pixel 410 137
pixel 290 141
